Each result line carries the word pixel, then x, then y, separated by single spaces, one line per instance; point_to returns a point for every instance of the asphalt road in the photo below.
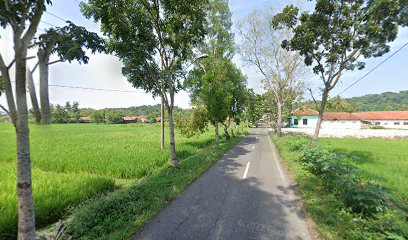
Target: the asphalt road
pixel 245 195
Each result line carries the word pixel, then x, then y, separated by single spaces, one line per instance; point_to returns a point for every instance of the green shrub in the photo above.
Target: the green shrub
pixel 340 176
pixel 299 143
pixel 365 199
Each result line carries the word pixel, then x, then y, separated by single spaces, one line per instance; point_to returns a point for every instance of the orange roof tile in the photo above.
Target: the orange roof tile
pixel 384 115
pixel 339 116
pixel 305 112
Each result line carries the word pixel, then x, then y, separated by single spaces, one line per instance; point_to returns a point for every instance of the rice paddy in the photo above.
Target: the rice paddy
pixel 74 162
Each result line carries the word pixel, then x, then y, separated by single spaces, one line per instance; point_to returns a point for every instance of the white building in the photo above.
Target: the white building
pixel 307 118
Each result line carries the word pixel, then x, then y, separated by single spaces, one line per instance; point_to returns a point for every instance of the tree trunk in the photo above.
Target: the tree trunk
pixel 230 126
pixel 162 123
pixel 279 119
pixel 217 135
pixel 26 216
pixel 9 92
pixel 320 118
pixel 33 96
pixel 174 159
pixel 227 136
pixel 43 59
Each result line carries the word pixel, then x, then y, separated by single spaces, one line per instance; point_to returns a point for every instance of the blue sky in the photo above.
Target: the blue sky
pixel 105 71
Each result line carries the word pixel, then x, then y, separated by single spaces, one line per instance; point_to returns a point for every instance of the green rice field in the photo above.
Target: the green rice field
pixel 74 162
pixel 384 160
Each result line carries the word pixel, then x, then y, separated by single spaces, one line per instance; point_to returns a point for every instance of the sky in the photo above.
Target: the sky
pixel 104 71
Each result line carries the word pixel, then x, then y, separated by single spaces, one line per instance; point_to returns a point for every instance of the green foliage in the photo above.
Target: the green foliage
pixel 98 116
pixel 328 210
pixel 222 90
pixel 383 160
pixel 17 10
pixel 100 149
pixel 69 42
pixel 136 30
pixel 73 162
pixel 111 116
pixel 333 36
pixel 218 84
pixel 65 114
pixel 338 27
pixel 387 101
pixel 53 193
pixel 366 199
pixel 339 175
pixel 122 213
pixel 192 122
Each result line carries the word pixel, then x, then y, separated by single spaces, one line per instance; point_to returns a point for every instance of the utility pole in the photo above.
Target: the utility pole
pixel 162 124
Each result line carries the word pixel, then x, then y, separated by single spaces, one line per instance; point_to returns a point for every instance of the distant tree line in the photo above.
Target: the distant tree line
pixel 72 113
pixel 387 101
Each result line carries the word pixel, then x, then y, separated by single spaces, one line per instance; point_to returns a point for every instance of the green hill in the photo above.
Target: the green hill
pixel 387 101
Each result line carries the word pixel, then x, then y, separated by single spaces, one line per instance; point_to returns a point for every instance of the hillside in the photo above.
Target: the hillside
pixel 387 101
pixel 146 110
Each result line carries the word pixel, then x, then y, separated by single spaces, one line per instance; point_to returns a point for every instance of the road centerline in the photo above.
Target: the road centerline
pixel 246 170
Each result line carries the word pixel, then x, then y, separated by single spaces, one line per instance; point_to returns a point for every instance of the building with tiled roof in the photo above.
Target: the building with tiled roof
pixel 307 118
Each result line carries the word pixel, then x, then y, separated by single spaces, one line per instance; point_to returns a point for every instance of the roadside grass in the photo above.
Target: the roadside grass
pixel 384 160
pixel 76 162
pixel 333 220
pixel 122 213
pixel 53 192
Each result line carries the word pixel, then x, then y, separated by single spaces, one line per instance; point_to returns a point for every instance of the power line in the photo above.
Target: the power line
pixel 95 89
pixel 60 18
pixel 52 25
pixel 92 89
pixel 373 69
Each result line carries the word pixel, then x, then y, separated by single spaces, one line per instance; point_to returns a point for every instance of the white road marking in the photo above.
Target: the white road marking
pixel 276 161
pixel 246 170
pixel 253 147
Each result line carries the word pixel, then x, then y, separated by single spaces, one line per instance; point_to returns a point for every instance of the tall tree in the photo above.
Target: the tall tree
pixel 18 15
pixel 337 33
pixel 69 43
pixel 221 90
pixel 207 83
pixel 153 39
pixel 238 91
pixel 283 70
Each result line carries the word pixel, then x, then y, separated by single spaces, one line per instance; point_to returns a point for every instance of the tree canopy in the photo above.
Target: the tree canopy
pixel 69 42
pixel 336 34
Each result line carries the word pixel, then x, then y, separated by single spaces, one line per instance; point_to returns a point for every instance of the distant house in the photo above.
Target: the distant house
pixel 130 119
pixel 307 118
pixel 144 119
pixel 86 119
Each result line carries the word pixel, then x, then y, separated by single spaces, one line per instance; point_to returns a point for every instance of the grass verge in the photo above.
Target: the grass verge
pixel 333 220
pixel 53 192
pixel 383 160
pixel 122 213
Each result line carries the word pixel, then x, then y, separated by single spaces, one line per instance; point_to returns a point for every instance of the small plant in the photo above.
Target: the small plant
pixel 340 176
pixel 299 143
pixel 365 199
